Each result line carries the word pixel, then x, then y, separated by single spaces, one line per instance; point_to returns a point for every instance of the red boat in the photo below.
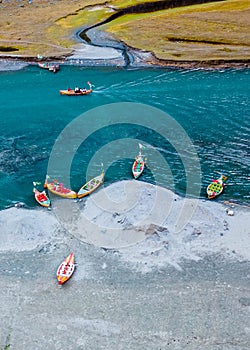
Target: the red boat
pixel 41 198
pixel 58 188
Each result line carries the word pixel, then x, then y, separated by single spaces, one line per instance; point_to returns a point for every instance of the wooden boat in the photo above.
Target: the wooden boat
pixel 138 165
pixel 66 269
pixel 77 91
pixel 41 198
pixel 71 92
pixel 57 188
pixel 49 66
pixel 216 187
pixel 91 186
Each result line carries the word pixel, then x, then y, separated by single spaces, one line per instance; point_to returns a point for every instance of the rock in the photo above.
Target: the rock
pixel 244 301
pixel 229 212
pixel 196 232
pixel 19 205
pixel 154 229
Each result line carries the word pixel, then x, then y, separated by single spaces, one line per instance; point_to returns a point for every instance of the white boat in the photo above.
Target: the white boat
pixel 139 163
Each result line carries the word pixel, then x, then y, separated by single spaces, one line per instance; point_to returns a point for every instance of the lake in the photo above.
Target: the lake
pixel 194 125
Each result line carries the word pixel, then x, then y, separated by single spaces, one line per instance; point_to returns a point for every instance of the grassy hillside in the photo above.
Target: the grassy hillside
pixel 202 32
pixel 215 31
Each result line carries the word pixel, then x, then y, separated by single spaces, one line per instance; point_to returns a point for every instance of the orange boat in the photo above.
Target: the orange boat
pixel 66 269
pixel 57 188
pixel 71 92
pixel 77 91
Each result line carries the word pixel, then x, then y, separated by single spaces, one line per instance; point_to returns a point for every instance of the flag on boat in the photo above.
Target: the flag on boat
pixel 141 146
pixel 89 83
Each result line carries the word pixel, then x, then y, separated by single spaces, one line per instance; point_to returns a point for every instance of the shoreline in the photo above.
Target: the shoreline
pixel 114 53
pixel 104 62
pixel 230 203
pixel 134 208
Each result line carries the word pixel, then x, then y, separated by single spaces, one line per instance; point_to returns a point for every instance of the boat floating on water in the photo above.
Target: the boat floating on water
pixel 77 91
pixel 216 187
pixel 139 163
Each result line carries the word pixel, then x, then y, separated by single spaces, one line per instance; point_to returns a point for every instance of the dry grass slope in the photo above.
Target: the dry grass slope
pixel 215 31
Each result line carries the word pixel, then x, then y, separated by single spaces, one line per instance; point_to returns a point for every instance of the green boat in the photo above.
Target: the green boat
pixel 216 187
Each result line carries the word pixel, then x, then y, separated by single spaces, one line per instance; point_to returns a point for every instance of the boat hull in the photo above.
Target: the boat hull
pixel 41 198
pixel 59 190
pixel 138 167
pixel 90 186
pixel 50 66
pixel 66 269
pixel 216 187
pixel 73 93
pixel 214 190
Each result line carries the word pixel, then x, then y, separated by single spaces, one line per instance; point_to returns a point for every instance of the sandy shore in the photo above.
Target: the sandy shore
pixel 143 281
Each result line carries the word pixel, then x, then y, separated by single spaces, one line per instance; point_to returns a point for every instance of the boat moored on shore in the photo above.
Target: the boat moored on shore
pixel 91 185
pixel 216 187
pixel 52 67
pixel 58 188
pixel 41 197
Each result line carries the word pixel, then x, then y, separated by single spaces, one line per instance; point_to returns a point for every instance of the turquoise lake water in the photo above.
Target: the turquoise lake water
pixel 211 106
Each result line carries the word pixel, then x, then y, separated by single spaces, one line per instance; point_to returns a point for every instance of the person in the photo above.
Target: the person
pixel 77 89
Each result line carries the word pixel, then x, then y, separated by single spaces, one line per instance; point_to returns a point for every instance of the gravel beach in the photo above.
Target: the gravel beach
pixel 162 290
